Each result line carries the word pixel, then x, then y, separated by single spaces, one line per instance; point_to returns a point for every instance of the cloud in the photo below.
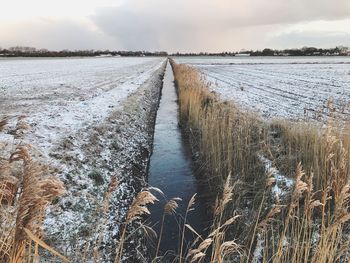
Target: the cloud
pixel 209 25
pixel 311 38
pixel 187 25
pixel 55 34
pixel 262 12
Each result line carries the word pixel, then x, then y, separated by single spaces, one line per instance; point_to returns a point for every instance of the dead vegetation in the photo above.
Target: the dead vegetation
pixel 78 237
pixel 310 222
pixel 27 187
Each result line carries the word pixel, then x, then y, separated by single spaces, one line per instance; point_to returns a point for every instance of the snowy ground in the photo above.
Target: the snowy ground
pixel 60 96
pixel 282 87
pixel 91 118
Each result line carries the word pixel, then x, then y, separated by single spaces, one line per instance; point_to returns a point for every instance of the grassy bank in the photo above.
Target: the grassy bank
pixel 305 221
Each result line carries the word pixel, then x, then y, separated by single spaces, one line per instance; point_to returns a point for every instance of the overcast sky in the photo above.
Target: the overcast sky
pixel 174 25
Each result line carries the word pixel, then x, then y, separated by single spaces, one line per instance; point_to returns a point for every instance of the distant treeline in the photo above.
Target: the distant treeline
pixel 305 51
pixel 20 51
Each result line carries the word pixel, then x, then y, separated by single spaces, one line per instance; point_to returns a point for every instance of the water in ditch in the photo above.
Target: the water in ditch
pixel 171 170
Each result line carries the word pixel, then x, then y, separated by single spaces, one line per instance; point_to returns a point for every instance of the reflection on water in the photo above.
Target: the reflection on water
pixel 171 171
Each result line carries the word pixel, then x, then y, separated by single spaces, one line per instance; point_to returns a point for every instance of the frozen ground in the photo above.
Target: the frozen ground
pixel 91 119
pixel 60 96
pixel 282 87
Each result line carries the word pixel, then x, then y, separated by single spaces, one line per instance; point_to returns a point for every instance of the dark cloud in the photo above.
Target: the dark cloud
pixel 185 25
pixel 206 24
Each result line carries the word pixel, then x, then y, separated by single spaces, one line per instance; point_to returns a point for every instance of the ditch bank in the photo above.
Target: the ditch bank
pixel 283 176
pixel 85 223
pixel 225 143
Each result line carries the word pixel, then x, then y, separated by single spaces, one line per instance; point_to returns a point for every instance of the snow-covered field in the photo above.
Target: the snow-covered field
pixel 282 87
pixel 90 119
pixel 60 96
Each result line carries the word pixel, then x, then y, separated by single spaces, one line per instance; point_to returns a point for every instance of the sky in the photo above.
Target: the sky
pixel 174 25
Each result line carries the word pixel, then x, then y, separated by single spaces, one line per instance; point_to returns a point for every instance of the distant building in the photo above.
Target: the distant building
pixel 104 55
pixel 242 55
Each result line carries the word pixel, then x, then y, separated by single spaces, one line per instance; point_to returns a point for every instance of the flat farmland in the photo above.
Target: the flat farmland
pixel 60 96
pixel 286 87
pixel 88 120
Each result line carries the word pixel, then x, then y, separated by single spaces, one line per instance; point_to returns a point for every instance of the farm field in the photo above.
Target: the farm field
pixel 90 120
pixel 60 96
pixel 282 87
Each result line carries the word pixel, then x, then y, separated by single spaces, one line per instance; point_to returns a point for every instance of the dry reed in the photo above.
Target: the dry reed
pixel 169 209
pixel 137 209
pixel 27 187
pixel 309 224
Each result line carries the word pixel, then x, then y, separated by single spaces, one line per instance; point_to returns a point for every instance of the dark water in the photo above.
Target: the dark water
pixel 171 170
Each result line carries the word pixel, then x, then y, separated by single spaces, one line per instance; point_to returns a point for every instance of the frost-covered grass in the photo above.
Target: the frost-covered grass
pixel 90 120
pixel 287 87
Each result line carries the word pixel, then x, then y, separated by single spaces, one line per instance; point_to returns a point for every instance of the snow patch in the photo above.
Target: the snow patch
pixel 257 255
pixel 283 184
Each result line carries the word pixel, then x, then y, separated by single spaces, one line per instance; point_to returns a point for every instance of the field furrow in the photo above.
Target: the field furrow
pixel 292 88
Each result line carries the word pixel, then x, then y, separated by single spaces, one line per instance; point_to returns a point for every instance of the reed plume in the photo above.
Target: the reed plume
pixel 28 188
pixel 169 209
pixel 137 209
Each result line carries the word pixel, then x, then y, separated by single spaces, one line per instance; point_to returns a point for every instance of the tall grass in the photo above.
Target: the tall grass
pixel 26 189
pixel 226 137
pixel 217 246
pixel 228 141
pixel 310 223
pixel 311 145
pixel 169 209
pixel 137 209
pixel 312 227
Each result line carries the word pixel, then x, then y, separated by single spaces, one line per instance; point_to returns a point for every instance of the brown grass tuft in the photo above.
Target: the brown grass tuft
pixel 3 123
pixel 26 189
